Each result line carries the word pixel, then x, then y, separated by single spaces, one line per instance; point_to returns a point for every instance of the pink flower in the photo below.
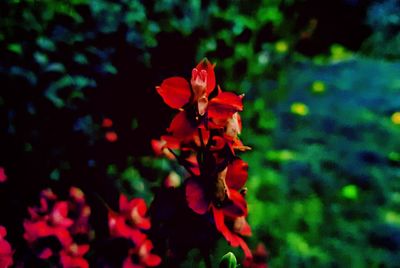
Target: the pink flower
pixel 3 176
pixel 62 220
pixel 6 252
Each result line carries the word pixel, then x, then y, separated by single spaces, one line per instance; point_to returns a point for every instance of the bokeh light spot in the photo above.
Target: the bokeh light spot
pixel 396 118
pixel 281 47
pixel 299 108
pixel 111 136
pixel 318 86
pixel 350 191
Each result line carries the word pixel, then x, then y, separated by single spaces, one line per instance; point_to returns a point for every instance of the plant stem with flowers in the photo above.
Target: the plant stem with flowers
pixel 203 138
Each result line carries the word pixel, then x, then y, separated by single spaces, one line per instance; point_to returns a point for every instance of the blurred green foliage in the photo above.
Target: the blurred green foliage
pixel 324 188
pixel 326 181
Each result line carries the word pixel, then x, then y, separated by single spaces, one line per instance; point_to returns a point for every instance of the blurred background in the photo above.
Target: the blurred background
pixel 78 106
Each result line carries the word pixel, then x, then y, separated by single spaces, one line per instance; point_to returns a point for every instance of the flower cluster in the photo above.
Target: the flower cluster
pixel 129 223
pixel 203 137
pixel 60 222
pixel 6 252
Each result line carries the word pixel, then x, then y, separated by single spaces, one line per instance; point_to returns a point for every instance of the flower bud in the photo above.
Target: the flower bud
pixel 228 261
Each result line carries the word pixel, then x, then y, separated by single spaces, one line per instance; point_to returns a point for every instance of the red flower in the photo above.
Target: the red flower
pixel 145 257
pixel 129 223
pixel 72 256
pixel 177 93
pixel 232 237
pixel 260 258
pixel 41 229
pixel 206 131
pixel 227 185
pixel 227 203
pixel 6 252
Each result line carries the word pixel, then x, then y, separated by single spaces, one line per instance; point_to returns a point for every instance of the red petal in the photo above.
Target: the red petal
pixel 140 205
pixel 35 230
pixel 241 226
pixel 222 228
pixel 48 194
pixel 180 126
pixel 63 235
pixel 206 65
pixel 222 107
pixel 6 253
pixel 83 249
pixel 6 256
pixel 59 215
pixel 245 248
pixel 193 165
pixel 45 254
pixel 123 203
pixel 62 208
pixel 146 257
pixel 228 99
pixel 119 228
pixel 158 146
pixel 152 260
pixel 232 238
pixel 237 174
pixel 171 142
pixel 175 92
pixel 5 248
pixel 195 197
pixel 238 207
pixel 73 262
pixel 77 194
pixel 129 264
pixel 137 212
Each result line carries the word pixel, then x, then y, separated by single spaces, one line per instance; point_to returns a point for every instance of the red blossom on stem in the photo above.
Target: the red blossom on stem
pixel 129 223
pixel 206 132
